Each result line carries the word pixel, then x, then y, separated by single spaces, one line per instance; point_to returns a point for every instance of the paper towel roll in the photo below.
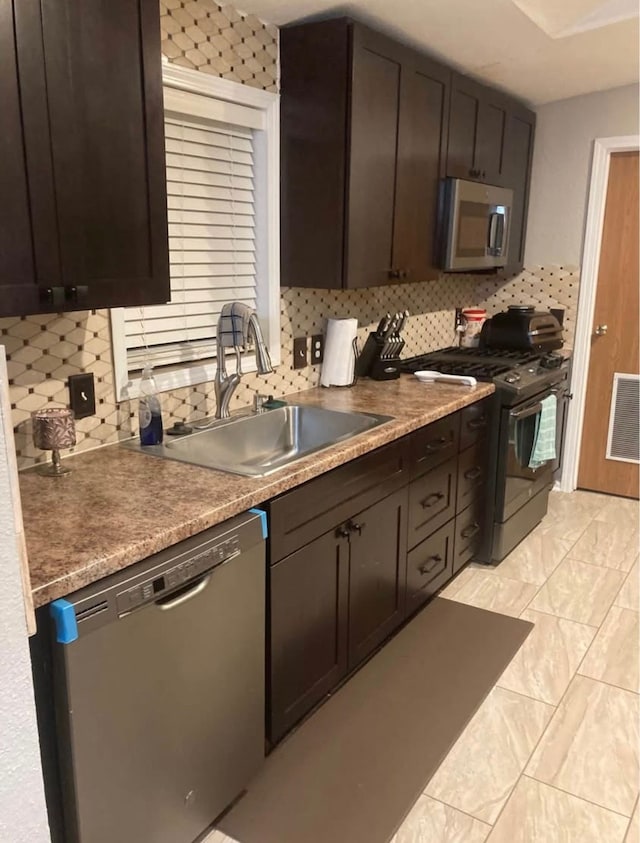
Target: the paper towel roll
pixel 339 362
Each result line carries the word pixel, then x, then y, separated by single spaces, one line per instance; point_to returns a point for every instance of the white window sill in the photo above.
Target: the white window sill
pixel 192 375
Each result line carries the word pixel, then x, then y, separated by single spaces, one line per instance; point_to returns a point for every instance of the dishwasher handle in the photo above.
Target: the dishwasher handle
pixel 184 596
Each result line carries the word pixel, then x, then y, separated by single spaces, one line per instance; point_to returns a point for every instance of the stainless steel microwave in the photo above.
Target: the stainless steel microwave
pixel 476 223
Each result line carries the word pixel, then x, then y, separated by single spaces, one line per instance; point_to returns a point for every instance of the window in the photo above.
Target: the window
pixel 222 192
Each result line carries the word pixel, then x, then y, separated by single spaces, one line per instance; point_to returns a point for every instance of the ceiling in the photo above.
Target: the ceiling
pixel 539 50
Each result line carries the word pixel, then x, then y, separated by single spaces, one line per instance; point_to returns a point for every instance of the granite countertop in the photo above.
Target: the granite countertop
pixel 119 506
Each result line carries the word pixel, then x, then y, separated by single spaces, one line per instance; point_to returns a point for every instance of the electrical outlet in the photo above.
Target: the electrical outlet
pixel 82 395
pixel 300 353
pixel 457 318
pixel 317 349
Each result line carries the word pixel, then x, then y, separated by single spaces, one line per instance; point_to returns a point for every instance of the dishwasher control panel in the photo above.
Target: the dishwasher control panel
pixel 173 577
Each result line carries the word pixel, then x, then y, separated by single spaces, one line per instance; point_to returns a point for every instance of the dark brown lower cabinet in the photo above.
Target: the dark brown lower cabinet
pixel 378 549
pixel 469 532
pixel 392 546
pixel 308 612
pixel 429 566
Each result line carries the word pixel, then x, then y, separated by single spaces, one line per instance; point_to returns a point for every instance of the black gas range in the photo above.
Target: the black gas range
pixel 517 374
pixel 517 487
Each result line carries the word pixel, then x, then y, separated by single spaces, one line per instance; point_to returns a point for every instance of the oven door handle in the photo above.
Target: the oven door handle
pixel 528 411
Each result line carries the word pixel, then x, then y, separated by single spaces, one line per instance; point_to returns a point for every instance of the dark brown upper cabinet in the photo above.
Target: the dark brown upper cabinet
pixel 491 140
pixel 83 222
pixel 477 120
pixel 363 132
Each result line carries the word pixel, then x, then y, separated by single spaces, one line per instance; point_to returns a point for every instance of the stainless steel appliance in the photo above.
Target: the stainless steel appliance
pixel 517 494
pixel 159 692
pixel 475 225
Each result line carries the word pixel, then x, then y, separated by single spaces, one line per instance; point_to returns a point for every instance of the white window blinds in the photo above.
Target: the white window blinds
pixel 212 238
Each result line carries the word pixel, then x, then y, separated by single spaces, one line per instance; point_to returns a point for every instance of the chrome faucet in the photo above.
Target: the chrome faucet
pixel 238 327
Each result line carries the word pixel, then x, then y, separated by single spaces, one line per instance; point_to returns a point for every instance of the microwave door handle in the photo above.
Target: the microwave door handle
pixel 493 226
pixel 496 233
pixel 499 241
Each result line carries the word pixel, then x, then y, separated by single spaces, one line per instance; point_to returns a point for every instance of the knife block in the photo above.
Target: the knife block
pixel 371 364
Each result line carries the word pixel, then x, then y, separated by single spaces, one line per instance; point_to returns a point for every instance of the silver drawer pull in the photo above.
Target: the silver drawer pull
pixel 425 568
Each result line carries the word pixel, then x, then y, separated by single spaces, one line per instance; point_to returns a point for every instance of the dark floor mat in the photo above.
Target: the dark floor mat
pixel 353 770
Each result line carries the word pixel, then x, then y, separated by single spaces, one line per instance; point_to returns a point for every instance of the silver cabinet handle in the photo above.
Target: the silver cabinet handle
pixel 601 330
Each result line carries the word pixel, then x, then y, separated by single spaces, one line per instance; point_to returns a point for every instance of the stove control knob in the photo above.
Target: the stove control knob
pixel 512 377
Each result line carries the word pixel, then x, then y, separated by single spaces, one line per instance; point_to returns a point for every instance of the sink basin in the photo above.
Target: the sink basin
pixel 260 444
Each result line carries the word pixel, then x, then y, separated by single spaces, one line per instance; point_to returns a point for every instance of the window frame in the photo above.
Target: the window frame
pixel 267 203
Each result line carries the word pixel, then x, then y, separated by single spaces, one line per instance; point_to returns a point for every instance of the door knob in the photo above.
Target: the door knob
pixel 601 330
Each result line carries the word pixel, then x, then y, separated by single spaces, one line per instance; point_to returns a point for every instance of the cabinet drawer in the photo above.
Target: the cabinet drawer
pixel 469 533
pixel 474 422
pixel 472 472
pixel 434 444
pixel 429 566
pixel 299 516
pixel 432 501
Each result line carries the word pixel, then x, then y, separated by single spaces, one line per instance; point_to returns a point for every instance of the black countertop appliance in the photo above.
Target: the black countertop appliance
pixel 522 328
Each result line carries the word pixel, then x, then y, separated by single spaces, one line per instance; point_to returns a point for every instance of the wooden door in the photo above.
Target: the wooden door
pixel 421 149
pixel 375 103
pixel 378 545
pixel 308 629
pixel 104 89
pixel 616 350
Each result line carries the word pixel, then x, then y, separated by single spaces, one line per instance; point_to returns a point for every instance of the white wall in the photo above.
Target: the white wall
pixel 23 816
pixel 563 149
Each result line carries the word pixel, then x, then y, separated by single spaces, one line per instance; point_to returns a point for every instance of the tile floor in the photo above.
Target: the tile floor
pixel 552 754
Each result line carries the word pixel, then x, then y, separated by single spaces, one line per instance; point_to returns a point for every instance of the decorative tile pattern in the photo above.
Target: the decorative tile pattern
pixel 543 286
pixel 220 40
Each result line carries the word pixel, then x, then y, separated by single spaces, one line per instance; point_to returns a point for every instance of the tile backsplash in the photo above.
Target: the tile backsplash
pixel 42 351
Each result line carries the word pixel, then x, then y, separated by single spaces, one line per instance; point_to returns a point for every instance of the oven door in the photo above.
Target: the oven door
pixel 477 225
pixel 517 483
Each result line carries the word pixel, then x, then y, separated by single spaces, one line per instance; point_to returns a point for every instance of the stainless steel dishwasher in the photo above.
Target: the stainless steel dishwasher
pixel 158 676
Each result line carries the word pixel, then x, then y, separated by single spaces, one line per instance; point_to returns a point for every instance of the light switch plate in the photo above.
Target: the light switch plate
pixel 82 395
pixel 300 353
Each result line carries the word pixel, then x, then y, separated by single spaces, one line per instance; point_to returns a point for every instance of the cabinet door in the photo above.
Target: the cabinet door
pixel 375 103
pixel 477 120
pixel 421 149
pixel 518 152
pixel 378 544
pixel 104 87
pixel 308 625
pixel 22 89
pixel 492 117
pixel 463 123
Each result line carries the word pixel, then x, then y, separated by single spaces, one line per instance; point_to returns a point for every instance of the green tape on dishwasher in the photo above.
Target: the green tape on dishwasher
pixel 64 617
pixel 263 519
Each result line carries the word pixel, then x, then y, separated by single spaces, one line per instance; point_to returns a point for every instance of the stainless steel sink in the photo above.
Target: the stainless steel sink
pixel 260 444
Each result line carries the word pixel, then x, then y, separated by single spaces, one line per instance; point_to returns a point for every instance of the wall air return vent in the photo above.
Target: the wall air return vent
pixel 624 419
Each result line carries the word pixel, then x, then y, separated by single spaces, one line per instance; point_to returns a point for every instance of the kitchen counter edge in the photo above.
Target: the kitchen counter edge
pixel 118 506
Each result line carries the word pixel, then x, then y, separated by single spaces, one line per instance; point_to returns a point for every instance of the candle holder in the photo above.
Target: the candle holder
pixel 53 429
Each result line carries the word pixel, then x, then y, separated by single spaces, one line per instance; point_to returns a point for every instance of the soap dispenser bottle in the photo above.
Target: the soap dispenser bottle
pixel 149 413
